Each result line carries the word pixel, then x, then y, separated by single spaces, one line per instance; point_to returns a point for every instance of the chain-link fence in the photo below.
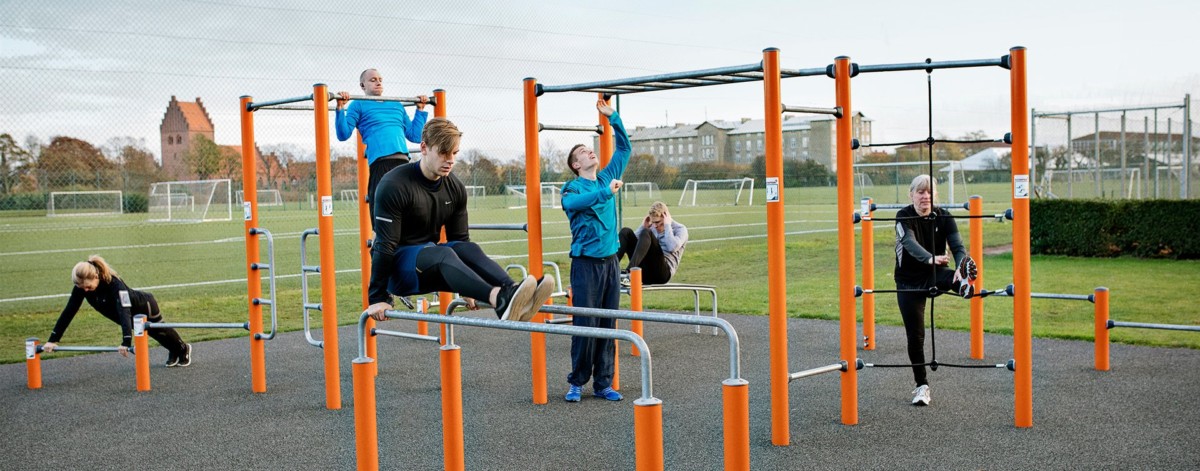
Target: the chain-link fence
pixel 1134 152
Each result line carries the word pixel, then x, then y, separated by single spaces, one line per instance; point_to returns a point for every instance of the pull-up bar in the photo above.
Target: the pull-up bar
pixel 598 129
pixel 275 104
pixel 835 111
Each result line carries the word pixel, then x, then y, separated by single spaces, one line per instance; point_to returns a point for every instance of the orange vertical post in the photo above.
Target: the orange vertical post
pixel 452 413
pixel 423 327
pixel 606 136
pixel 616 380
pixel 258 354
pixel 868 274
pixel 141 353
pixel 329 320
pixel 439 111
pixel 776 255
pixel 1100 299
pixel 635 304
pixel 975 205
pixel 533 217
pixel 845 222
pixel 735 400
pixel 365 234
pixel 366 435
pixel 1022 285
pixel 647 435
pixel 33 364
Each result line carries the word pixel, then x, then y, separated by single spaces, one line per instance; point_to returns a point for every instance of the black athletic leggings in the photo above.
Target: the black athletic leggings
pixel 168 338
pixel 644 252
pixel 375 173
pixel 462 268
pixel 912 311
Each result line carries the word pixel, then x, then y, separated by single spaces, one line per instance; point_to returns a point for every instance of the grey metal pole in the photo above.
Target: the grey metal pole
pixel 1146 153
pixel 1170 150
pixel 1032 147
pixel 1129 193
pixel 1143 325
pixel 1070 160
pixel 1156 149
pixel 1096 155
pixel 1186 191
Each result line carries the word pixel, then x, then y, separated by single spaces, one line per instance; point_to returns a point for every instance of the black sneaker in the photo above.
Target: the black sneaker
pixel 513 299
pixel 967 270
pixel 965 289
pixel 185 358
pixel 172 360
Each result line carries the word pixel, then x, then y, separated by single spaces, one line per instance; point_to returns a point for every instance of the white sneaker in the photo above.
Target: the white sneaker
pixel 921 395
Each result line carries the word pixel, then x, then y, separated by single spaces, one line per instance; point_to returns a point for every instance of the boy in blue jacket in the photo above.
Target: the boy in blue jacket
pixel 591 208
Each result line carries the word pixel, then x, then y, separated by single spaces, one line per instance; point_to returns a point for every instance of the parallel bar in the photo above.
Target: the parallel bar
pixel 587 86
pixel 197 325
pixel 593 332
pixel 410 100
pixel 863 69
pixel 499 227
pixel 407 335
pixel 1142 325
pixel 1073 297
pixel 82 348
pixel 840 366
pixel 787 73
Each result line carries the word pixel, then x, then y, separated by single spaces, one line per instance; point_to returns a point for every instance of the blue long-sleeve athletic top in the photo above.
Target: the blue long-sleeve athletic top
pixel 590 206
pixel 384 126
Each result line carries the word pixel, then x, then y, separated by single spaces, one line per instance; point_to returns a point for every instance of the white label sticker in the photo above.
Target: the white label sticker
pixel 772 189
pixel 124 294
pixel 30 349
pixel 139 325
pixel 246 210
pixel 1021 186
pixel 327 205
pixel 866 207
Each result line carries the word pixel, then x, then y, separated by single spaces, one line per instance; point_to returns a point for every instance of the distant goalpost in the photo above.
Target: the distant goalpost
pixel 265 197
pixel 349 195
pixel 191 201
pixel 84 203
pixel 636 190
pixel 551 194
pixel 946 171
pixel 719 192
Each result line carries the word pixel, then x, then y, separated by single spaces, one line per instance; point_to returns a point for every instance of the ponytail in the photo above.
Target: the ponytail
pixel 94 268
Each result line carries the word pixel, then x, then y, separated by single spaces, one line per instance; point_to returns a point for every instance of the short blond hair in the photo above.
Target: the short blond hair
pixel 657 209
pixel 442 134
pixel 923 182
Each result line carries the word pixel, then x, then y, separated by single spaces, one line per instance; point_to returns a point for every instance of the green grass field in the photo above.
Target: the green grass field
pixel 197 270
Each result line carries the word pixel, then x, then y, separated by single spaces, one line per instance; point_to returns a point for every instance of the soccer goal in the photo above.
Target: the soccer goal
pixel 349 195
pixel 881 181
pixel 640 192
pixel 718 192
pixel 191 201
pixel 84 203
pixel 475 191
pixel 265 197
pixel 551 195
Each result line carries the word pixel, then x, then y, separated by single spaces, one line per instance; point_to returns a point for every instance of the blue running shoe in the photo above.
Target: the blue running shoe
pixel 574 394
pixel 608 393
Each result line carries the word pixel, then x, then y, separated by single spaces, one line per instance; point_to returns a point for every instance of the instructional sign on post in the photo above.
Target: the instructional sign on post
pixel 246 210
pixel 1021 186
pixel 772 189
pixel 327 205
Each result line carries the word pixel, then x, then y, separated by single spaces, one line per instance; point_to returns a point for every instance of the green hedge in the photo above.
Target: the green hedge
pixel 1096 228
pixel 136 203
pixel 23 201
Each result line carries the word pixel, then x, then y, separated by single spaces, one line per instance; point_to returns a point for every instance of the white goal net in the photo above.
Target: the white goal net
pixel 265 197
pixel 551 195
pixel 735 192
pixel 84 203
pixel 191 201
pixel 640 192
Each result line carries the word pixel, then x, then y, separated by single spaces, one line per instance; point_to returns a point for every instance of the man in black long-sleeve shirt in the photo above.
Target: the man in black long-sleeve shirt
pixel 412 204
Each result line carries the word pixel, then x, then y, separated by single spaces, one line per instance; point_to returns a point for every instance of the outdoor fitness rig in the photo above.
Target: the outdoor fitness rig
pixel 318 103
pixel 647 408
pixel 141 341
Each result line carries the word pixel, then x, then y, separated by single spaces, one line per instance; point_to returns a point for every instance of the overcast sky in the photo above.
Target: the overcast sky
pixel 97 69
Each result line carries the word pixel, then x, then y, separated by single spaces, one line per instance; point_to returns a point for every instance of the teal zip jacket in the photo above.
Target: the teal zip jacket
pixel 590 206
pixel 384 126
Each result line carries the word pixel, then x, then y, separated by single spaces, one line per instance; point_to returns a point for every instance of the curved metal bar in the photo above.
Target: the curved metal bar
pixel 593 332
pixel 735 363
pixel 271 281
pixel 305 269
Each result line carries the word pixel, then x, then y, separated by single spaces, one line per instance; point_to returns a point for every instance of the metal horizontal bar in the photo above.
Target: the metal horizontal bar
pixel 1072 297
pixel 196 325
pixel 839 366
pixel 593 332
pixel 410 100
pixel 787 73
pixel 499 227
pixel 734 344
pixel 82 348
pixel 836 111
pixel 407 335
pixel 282 101
pixel 1142 325
pixel 931 65
pixel 587 86
pixel 1052 114
pixel 563 127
